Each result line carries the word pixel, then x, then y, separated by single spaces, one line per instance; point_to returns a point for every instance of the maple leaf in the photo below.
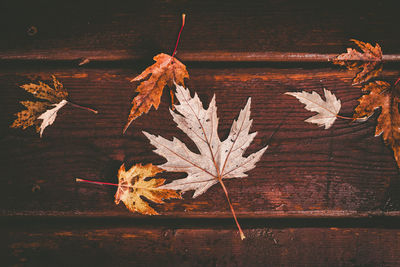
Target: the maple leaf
pixel 217 160
pixel 382 95
pixel 370 61
pixel 133 185
pixel 28 117
pixel 327 110
pixel 40 113
pixel 50 115
pixel 164 72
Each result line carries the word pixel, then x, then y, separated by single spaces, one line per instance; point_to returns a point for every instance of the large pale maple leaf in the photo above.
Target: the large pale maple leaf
pixel 166 71
pixel 217 159
pixel 382 95
pixel 369 61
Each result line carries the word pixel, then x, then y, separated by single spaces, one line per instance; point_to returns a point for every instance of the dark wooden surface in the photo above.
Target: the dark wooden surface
pixel 119 31
pixel 131 245
pixel 316 198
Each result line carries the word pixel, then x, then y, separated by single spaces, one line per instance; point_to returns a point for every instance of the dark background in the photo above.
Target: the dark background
pixel 316 198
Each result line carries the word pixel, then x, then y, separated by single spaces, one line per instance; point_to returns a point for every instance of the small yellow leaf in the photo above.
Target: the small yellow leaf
pixel 133 186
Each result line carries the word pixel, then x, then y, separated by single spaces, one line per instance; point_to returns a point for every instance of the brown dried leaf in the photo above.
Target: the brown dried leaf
pixel 43 91
pixel 383 95
pixel 133 185
pixel 164 72
pixel 370 61
pixel 28 117
pixel 34 114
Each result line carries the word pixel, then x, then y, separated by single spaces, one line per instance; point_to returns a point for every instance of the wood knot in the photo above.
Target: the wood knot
pixel 32 30
pixel 35 188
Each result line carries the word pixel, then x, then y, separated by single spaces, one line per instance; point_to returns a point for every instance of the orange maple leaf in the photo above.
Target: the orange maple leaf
pixel 370 61
pixel 164 72
pixel 383 95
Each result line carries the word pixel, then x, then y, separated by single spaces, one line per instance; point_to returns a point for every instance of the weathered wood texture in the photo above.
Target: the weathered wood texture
pixel 305 171
pixel 149 246
pixel 235 50
pixel 117 30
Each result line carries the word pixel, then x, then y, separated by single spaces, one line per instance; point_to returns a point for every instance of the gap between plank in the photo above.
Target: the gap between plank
pixel 312 214
pixel 213 56
pixel 201 223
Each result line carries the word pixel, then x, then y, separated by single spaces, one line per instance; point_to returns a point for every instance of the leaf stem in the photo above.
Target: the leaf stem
pixel 344 118
pixel 242 236
pixel 112 184
pixel 94 182
pixel 179 35
pixel 82 107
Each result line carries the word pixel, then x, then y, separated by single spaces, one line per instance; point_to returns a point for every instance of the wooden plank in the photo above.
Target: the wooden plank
pixel 103 30
pixel 264 57
pixel 96 245
pixel 86 57
pixel 307 171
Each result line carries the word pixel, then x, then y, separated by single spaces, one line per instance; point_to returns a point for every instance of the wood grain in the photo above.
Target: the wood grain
pixel 307 171
pixel 148 246
pixel 316 198
pixel 120 30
